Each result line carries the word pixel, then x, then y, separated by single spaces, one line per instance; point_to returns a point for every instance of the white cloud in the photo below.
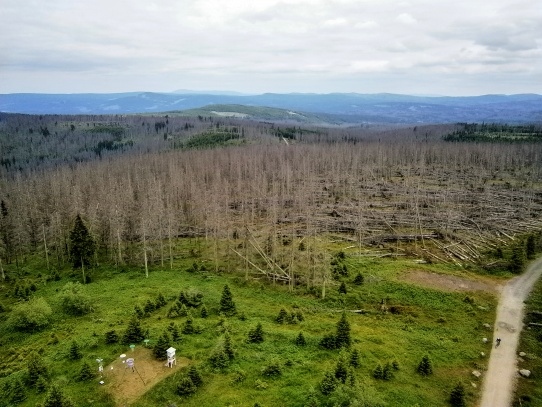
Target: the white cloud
pixel 270 45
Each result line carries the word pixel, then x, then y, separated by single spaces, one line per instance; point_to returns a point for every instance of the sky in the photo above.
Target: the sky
pixel 422 47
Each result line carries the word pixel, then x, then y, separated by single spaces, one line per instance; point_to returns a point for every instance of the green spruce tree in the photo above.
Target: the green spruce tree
pixel 457 396
pixel 256 335
pixel 86 372
pixel 342 338
pixel 358 280
pixel 227 306
pixel 159 349
pixel 55 398
pixel 228 347
pixel 75 351
pixel 342 288
pixel 425 367
pixel 328 383
pixel 134 332
pixel 82 245
pixel 300 340
pixel 195 376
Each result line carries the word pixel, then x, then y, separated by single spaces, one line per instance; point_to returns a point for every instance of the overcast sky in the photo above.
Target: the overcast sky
pixel 445 47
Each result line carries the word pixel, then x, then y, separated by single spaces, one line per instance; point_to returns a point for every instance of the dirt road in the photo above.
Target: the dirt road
pixel 501 374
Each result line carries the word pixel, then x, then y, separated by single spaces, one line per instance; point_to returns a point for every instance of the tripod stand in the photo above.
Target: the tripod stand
pixel 130 365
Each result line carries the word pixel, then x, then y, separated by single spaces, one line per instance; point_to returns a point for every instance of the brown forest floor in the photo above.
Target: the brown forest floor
pixel 126 385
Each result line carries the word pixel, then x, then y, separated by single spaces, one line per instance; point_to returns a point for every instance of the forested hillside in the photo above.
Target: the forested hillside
pixel 139 180
pixel 288 265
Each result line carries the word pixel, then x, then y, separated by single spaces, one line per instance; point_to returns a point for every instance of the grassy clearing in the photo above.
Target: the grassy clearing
pixel 399 322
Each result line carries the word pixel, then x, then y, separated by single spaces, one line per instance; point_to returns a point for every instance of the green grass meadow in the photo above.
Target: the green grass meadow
pixel 416 321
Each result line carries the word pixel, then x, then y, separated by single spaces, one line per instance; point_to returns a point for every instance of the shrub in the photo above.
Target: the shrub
pixel 273 369
pixel 74 300
pixel 30 316
pixel 239 376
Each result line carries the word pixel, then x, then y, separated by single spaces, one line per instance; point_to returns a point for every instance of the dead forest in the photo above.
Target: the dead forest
pixel 261 200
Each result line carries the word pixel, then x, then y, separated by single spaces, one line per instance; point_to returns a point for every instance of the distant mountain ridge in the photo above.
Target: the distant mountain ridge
pixel 347 107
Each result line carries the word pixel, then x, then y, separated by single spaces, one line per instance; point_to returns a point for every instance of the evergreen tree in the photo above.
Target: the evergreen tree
pixel 134 332
pixel 195 376
pixel 175 334
pixel 342 288
pixel 387 373
pixel 159 349
pixel 378 373
pixel 55 398
pixel 188 327
pixel 341 372
pixel 358 280
pixel 256 335
pixel 228 347
pixel 354 359
pixel 342 338
pixel 160 301
pixel 75 351
pixel 41 384
pixel 218 359
pixel 282 316
pixel 35 368
pixel 517 261
pixel 86 372
pixel 204 313
pixel 457 396
pixel 425 367
pixel 227 306
pixel 328 383
pixel 111 337
pixel 82 245
pixel 530 247
pixel 18 392
pixel 300 340
pixel 186 387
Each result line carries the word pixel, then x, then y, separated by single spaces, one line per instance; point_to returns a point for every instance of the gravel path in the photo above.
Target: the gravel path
pixel 501 374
